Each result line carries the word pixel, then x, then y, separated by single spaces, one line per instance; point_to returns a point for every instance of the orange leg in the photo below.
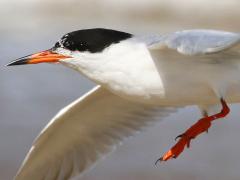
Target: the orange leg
pixel 201 126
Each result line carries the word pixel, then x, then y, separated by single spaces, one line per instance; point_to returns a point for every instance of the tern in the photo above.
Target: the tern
pixel 140 79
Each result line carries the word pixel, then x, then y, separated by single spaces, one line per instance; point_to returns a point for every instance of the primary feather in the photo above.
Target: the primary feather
pixel 82 132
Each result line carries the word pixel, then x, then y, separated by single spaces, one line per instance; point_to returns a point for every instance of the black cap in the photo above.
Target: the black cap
pixel 92 40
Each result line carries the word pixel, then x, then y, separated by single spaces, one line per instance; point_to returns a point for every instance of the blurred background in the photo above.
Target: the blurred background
pixel 31 95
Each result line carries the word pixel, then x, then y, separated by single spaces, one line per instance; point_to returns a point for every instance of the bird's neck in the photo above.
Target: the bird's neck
pixel 119 68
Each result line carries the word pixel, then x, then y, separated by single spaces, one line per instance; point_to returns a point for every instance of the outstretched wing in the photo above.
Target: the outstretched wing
pixel 197 42
pixel 82 133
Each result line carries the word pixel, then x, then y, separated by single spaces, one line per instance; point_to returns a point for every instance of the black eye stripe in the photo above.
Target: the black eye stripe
pixel 92 40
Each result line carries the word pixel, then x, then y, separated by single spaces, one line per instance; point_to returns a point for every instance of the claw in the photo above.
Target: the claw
pixel 159 160
pixel 179 136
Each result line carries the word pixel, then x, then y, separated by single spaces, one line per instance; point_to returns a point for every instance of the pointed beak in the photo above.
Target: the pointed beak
pixel 47 56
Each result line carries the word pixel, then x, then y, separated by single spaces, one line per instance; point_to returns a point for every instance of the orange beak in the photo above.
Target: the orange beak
pixel 47 56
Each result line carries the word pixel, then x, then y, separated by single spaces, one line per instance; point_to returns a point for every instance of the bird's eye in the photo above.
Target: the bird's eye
pixel 74 44
pixel 69 45
pixel 57 45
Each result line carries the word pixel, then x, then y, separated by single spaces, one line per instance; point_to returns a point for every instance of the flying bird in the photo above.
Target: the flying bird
pixel 140 79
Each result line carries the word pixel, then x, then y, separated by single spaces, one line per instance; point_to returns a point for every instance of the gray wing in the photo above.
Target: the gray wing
pixel 82 133
pixel 197 42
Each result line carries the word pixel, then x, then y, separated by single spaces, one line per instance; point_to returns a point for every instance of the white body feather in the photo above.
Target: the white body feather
pixel 139 77
pixel 183 68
